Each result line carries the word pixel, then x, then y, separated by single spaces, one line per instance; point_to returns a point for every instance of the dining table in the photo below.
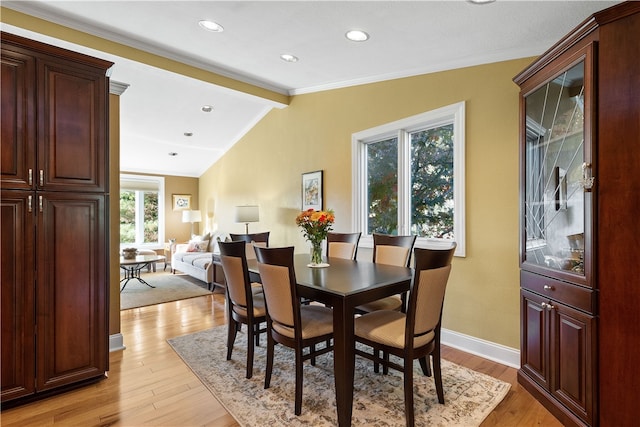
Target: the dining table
pixel 343 285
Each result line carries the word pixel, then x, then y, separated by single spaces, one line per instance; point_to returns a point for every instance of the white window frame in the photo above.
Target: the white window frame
pixel 401 129
pixel 145 181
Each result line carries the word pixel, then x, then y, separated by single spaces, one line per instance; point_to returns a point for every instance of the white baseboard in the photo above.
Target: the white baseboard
pixel 486 349
pixel 116 342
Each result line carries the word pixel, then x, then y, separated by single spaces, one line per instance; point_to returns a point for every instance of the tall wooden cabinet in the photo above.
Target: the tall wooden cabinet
pixel 54 228
pixel 580 236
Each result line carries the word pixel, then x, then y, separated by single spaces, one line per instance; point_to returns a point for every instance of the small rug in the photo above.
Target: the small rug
pixel 378 400
pixel 168 287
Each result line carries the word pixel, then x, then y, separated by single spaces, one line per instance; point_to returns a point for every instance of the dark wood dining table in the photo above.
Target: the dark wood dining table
pixel 344 285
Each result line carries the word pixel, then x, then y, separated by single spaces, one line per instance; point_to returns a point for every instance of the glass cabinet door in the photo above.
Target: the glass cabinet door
pixel 554 173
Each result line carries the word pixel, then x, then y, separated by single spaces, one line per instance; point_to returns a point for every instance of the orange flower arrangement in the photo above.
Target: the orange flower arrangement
pixel 315 224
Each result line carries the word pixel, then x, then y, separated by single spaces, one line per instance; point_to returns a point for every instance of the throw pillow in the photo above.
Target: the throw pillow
pixel 195 246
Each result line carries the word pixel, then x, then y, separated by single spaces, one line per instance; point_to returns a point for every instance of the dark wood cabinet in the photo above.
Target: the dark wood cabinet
pixel 55 137
pixel 71 297
pixel 17 273
pixel 55 281
pixel 580 191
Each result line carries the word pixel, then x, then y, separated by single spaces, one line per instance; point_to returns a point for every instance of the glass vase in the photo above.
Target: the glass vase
pixel 316 253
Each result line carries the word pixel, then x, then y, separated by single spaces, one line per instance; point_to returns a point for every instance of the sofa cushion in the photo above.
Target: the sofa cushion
pixel 200 259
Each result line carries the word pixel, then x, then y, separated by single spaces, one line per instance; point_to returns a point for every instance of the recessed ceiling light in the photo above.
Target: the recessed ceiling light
pixel 173 154
pixel 207 108
pixel 188 134
pixel 211 26
pixel 481 1
pixel 357 35
pixel 288 57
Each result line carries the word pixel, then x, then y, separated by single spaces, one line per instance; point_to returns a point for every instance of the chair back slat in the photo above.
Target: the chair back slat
pixel 343 245
pixel 277 292
pixel 341 250
pixel 251 253
pixel 392 255
pixel 235 279
pixel 251 237
pixel 429 294
pixel 382 242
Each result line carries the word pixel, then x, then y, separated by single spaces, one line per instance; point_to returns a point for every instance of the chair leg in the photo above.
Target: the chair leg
pixel 251 331
pixel 425 364
pixel 408 393
pixel 385 366
pixel 312 349
pixel 232 331
pixel 269 367
pixel 437 375
pixel 298 404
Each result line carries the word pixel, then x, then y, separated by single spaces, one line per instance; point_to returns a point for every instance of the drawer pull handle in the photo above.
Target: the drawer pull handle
pixel 549 288
pixel 546 306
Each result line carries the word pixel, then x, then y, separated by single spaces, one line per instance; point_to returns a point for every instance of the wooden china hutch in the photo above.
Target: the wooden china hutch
pixel 54 227
pixel 580 232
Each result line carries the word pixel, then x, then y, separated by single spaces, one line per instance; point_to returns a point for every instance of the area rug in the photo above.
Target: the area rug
pixel 378 399
pixel 168 287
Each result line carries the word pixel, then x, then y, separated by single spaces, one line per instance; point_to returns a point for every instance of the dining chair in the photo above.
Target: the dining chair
pixel 342 245
pixel 411 335
pixel 245 300
pixel 251 240
pixel 288 321
pixel 391 250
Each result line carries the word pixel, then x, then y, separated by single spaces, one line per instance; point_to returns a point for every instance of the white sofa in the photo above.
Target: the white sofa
pixel 199 262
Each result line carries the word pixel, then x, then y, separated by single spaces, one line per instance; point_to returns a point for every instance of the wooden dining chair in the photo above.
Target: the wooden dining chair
pixel 288 321
pixel 251 240
pixel 391 250
pixel 342 245
pixel 410 336
pixel 245 300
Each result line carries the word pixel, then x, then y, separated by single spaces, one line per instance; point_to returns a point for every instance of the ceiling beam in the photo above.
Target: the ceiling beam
pixel 38 25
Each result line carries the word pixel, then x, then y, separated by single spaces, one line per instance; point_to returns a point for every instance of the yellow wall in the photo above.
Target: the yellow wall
pixel 314 133
pixel 174 228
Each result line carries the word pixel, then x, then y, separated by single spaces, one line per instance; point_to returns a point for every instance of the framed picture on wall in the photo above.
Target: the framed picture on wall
pixel 181 202
pixel 312 190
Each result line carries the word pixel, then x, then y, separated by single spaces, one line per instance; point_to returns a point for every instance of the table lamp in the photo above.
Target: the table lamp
pixel 191 216
pixel 247 214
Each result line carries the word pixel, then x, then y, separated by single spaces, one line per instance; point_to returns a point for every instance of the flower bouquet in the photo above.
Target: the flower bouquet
pixel 315 226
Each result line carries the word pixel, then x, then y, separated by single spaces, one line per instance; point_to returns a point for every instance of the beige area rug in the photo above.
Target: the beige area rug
pixel 378 399
pixel 168 287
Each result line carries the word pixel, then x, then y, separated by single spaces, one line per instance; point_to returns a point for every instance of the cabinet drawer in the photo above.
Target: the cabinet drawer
pixel 572 295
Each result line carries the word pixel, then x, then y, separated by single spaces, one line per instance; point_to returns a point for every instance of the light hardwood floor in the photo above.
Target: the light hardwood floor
pixel 149 384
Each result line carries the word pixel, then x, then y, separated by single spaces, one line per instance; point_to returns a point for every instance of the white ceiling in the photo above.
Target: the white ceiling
pixel 407 38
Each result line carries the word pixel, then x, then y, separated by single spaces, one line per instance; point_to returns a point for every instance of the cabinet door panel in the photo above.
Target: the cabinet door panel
pixel 574 341
pixel 18 352
pixel 534 335
pixel 71 291
pixel 71 124
pixel 18 119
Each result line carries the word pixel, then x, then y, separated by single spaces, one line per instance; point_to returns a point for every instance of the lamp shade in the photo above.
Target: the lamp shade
pixel 191 216
pixel 247 214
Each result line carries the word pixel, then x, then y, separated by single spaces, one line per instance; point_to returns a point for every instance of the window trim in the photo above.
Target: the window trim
pixel 145 180
pixel 454 113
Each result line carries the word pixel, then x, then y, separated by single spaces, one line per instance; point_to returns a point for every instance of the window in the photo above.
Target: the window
pixel 408 178
pixel 141 210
